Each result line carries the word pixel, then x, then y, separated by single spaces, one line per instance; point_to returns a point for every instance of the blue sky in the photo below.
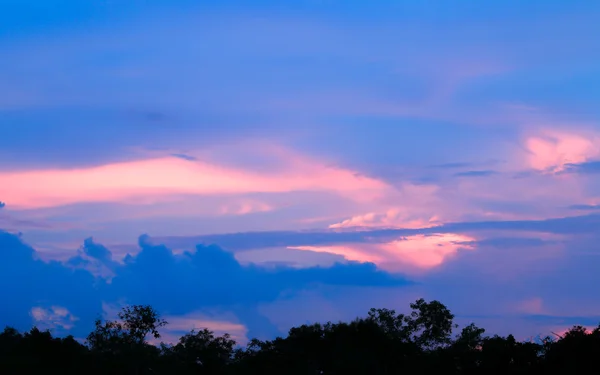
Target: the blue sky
pixel 337 155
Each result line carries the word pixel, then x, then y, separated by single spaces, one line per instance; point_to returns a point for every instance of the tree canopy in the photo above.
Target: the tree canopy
pixel 383 343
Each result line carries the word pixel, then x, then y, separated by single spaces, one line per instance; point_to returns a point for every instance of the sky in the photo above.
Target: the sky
pixel 251 166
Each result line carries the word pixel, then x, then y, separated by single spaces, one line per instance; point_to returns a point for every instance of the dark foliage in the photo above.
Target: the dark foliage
pixel 383 343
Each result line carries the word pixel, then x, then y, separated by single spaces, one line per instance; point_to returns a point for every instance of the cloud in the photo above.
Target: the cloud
pixel 555 150
pixel 185 157
pixel 515 241
pixel 391 218
pixel 9 222
pixel 2 204
pixel 55 318
pixel 407 254
pixel 408 206
pixel 244 207
pixel 96 251
pixel 475 173
pixel 565 321
pixel 532 306
pixel 27 282
pixel 70 293
pixel 563 225
pixel 245 241
pixel 157 178
pixel 585 207
pixel 182 188
pixel 277 256
pixel 94 258
pixel 452 165
pixel 588 167
pixel 220 323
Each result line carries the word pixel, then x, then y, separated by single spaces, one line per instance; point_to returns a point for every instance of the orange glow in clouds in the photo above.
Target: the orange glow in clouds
pixel 161 177
pixel 419 252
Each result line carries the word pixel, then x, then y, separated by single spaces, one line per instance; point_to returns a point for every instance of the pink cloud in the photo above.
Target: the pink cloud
pixel 534 306
pixel 219 322
pixel 547 146
pixel 244 207
pixel 561 331
pixel 409 254
pixel 393 218
pixel 414 206
pixel 197 322
pixel 148 180
pixel 551 150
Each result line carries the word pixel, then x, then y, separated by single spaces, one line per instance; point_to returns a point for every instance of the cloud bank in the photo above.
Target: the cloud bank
pixel 72 293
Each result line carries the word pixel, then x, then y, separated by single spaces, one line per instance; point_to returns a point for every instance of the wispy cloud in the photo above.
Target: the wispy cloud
pixel 475 173
pixel 585 207
pixel 406 254
pixel 155 178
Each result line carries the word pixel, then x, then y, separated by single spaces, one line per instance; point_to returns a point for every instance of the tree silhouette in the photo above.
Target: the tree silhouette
pixel 121 345
pixel 382 343
pixel 201 352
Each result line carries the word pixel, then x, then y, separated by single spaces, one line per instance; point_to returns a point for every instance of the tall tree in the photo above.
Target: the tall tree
pixel 125 340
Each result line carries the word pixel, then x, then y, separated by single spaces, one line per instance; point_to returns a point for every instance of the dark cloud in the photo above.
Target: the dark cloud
pixel 565 321
pixel 207 277
pixel 96 251
pixel 590 167
pixel 258 240
pixel 484 173
pixel 185 157
pixel 2 204
pixel 452 165
pixel 27 282
pixel 459 165
pixel 585 207
pixel 565 225
pixel 526 174
pixel 268 239
pixel 512 242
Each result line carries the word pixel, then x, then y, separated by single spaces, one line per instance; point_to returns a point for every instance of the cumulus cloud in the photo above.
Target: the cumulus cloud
pixel 27 282
pixel 190 286
pixel 54 317
pixel 176 284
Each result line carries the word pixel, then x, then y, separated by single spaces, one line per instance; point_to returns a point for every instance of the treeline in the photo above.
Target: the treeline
pixel 382 343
